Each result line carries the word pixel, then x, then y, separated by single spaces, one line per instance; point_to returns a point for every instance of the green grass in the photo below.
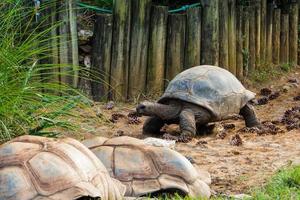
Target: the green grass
pixel 285 185
pixel 31 98
pixel 267 73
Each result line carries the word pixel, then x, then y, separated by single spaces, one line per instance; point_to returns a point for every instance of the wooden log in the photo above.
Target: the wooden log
pixel 257 31
pixel 64 50
pixel 263 30
pixel 120 49
pixel 252 52
pixel 232 36
pixel 101 56
pixel 293 34
pixel 193 38
pixel 74 40
pixel 175 45
pixel 284 38
pixel 239 42
pixel 245 30
pixel 276 36
pixel 157 50
pixel 210 33
pixel 54 43
pixel 139 46
pixel 269 49
pixel 223 34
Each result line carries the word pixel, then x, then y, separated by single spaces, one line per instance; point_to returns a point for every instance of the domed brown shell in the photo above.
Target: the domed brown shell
pixel 146 169
pixel 211 87
pixel 33 167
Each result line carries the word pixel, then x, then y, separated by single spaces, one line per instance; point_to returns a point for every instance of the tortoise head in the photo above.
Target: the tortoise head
pixel 146 108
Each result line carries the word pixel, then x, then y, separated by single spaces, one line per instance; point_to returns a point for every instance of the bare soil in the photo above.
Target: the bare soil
pixel 237 160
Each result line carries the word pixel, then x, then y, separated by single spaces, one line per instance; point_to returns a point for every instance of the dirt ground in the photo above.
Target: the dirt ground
pixel 234 169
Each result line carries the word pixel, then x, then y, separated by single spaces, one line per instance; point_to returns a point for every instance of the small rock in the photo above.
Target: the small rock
pixel 265 91
pixel 110 105
pixel 160 142
pixel 85 35
pixel 236 140
pixel 241 197
pixel 87 61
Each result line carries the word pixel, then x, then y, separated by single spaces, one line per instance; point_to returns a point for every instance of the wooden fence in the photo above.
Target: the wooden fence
pixel 140 47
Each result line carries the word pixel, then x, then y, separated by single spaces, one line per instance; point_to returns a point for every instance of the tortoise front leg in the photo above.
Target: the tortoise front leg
pixel 153 125
pixel 249 116
pixel 187 122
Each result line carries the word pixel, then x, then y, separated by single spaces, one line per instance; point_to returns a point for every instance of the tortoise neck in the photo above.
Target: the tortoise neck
pixel 165 111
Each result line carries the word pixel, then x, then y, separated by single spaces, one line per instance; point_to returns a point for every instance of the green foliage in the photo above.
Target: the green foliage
pixel 30 98
pixel 284 185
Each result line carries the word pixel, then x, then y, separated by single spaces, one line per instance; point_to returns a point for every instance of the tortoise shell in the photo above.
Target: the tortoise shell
pixel 146 169
pixel 211 87
pixel 33 167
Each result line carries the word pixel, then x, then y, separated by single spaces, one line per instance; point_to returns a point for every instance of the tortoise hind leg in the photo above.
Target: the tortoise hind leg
pixel 249 116
pixel 153 125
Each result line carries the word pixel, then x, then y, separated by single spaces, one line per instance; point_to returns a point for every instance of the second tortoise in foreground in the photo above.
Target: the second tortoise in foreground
pixel 146 169
pixel 197 96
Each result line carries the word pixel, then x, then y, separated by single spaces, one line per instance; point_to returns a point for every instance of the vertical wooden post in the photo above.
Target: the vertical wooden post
pixel 193 38
pixel 210 33
pixel 223 36
pixel 120 49
pixel 157 49
pixel 101 56
pixel 239 42
pixel 293 35
pixel 269 49
pixel 252 46
pixel 74 40
pixel 276 36
pixel 175 45
pixel 284 38
pixel 140 20
pixel 245 27
pixel 64 50
pixel 232 36
pixel 258 19
pixel 263 30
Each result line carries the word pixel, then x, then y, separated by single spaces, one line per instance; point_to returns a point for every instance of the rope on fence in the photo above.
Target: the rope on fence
pixel 103 10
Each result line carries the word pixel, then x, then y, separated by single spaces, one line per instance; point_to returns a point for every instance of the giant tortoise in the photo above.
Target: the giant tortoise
pixel 197 96
pixel 146 169
pixel 39 168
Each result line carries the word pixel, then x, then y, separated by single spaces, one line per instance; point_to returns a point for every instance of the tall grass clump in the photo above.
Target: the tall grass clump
pixel 31 97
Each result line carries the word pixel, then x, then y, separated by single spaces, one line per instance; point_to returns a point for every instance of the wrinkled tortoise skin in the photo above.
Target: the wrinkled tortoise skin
pixel 33 167
pixel 211 87
pixel 146 169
